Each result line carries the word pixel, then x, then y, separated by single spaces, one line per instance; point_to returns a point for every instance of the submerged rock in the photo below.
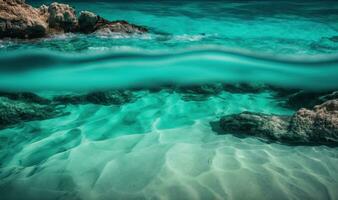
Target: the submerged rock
pixel 199 92
pixel 13 112
pixel 308 99
pixel 334 39
pixel 257 124
pixel 20 20
pixel 25 96
pixel 245 88
pixel 319 125
pixel 111 97
pixel 203 92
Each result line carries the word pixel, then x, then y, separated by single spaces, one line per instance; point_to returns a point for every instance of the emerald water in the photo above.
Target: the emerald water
pixel 163 144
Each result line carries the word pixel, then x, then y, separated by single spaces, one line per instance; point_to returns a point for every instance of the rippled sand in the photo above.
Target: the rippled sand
pixel 160 147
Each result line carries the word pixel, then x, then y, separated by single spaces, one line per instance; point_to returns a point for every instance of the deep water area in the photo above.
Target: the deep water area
pixel 136 116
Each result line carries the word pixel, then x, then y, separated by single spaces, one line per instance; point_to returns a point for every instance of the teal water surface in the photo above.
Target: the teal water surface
pixel 162 145
pixel 281 27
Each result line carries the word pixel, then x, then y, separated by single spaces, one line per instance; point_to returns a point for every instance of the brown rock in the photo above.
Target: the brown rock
pixel 321 123
pixel 257 124
pixel 19 20
pixel 105 27
pixel 62 16
pixel 87 22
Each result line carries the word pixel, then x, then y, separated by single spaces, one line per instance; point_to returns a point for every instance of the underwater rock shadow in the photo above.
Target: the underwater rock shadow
pixel 215 127
pixel 316 126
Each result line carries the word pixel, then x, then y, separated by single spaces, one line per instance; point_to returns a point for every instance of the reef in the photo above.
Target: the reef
pixel 27 97
pixel 317 125
pixel 203 92
pixel 15 111
pixel 17 107
pixel 110 97
pixel 20 20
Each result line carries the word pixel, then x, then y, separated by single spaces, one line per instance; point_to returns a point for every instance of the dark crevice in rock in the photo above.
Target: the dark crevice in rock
pixel 307 99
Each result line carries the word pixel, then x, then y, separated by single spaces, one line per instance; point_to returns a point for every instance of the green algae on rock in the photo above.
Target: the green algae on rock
pixel 13 112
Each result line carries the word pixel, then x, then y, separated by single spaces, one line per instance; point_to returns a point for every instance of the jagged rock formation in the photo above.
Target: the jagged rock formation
pixel 118 27
pixel 111 97
pixel 87 21
pixel 13 112
pixel 20 20
pixel 90 22
pixel 62 16
pixel 319 125
pixel 257 124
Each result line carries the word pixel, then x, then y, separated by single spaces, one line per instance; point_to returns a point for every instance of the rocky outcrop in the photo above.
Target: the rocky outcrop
pixel 62 17
pixel 121 26
pixel 20 20
pixel 13 112
pixel 318 125
pixel 257 124
pixel 245 88
pixel 111 97
pixel 88 22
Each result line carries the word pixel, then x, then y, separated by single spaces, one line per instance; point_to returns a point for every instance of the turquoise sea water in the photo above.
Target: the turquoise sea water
pixel 162 145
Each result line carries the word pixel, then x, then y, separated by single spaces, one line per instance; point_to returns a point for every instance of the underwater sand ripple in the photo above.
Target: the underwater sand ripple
pixel 59 157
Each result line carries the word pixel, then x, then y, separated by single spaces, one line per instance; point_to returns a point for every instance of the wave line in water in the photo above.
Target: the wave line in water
pixel 50 71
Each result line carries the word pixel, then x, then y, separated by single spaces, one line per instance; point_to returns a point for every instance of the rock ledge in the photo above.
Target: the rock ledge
pixel 20 20
pixel 317 125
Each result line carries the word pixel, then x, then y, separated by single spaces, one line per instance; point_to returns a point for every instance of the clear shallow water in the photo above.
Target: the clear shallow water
pixel 162 146
pixel 281 27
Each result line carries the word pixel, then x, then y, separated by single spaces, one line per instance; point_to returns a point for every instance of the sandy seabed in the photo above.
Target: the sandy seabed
pixel 160 147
